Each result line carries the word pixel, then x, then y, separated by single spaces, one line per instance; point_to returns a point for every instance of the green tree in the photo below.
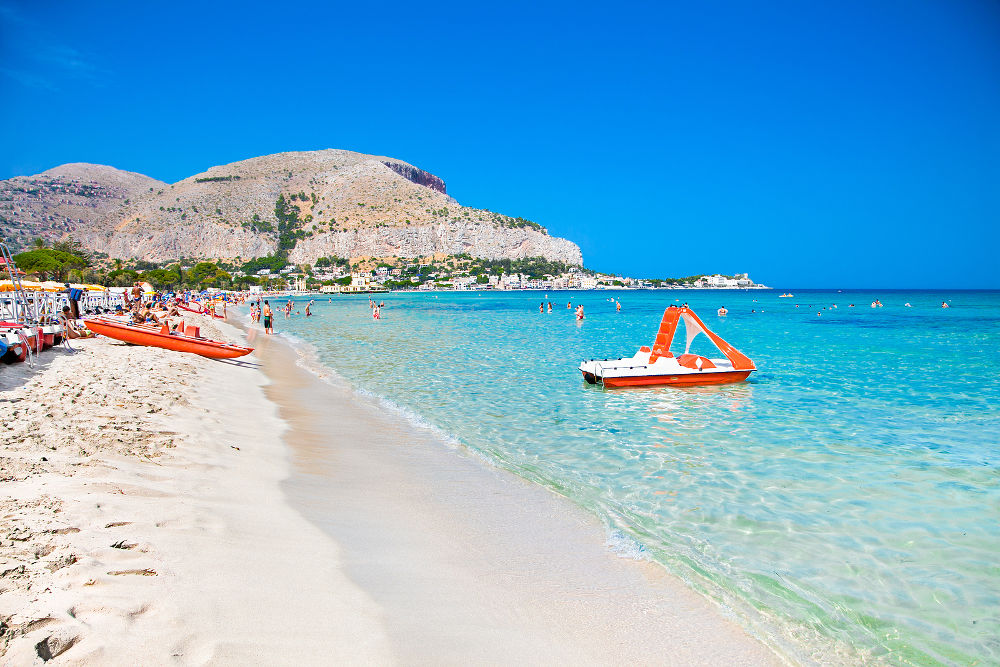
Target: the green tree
pixel 161 278
pixel 202 274
pixel 47 262
pixel 122 278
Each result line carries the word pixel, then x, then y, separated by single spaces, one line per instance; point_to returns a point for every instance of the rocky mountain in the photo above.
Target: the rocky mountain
pixel 310 204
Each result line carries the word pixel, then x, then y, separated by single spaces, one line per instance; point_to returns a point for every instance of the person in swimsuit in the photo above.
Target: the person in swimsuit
pixel 266 312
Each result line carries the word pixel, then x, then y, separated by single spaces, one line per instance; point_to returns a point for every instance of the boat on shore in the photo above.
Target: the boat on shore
pixel 13 346
pixel 155 335
pixel 659 366
pixel 200 310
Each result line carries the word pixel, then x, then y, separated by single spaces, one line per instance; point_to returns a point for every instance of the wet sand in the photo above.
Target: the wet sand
pixel 472 564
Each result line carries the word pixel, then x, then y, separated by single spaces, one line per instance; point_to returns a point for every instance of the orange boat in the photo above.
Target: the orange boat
pixel 187 340
pixel 659 366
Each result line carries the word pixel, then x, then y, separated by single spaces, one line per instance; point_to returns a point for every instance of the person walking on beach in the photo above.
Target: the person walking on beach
pixel 266 312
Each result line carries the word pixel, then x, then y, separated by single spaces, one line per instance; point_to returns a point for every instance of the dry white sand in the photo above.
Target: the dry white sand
pixel 143 522
pixel 153 513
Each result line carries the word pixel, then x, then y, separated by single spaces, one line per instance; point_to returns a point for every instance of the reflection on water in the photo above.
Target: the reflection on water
pixel 845 496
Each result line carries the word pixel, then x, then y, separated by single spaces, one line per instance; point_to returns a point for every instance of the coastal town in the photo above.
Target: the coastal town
pixel 431 276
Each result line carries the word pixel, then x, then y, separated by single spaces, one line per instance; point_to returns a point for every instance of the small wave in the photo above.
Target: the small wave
pixel 626 546
pixel 410 416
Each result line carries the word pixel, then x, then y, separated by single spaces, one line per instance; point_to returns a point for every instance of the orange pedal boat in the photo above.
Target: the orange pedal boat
pixel 658 366
pixel 161 336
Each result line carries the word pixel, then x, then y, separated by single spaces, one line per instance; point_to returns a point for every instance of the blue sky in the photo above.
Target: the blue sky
pixel 816 144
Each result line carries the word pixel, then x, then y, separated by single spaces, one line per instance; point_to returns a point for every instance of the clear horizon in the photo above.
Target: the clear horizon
pixel 848 143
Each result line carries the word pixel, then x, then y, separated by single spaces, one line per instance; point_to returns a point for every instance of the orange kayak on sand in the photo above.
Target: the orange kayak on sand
pixel 161 336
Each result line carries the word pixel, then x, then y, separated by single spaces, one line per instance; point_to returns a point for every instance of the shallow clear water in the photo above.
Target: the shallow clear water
pixel 845 499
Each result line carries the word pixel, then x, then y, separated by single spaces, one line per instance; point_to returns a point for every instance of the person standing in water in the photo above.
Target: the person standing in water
pixel 268 316
pixel 579 312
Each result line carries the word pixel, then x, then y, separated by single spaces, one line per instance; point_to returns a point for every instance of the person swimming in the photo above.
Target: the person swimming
pixel 723 312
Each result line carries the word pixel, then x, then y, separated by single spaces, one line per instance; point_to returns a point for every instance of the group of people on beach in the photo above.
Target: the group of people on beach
pixel 259 311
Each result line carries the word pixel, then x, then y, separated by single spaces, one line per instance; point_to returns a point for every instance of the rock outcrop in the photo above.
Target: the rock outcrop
pixel 336 203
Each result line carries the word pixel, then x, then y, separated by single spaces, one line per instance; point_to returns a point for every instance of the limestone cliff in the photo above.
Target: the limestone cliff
pixel 336 203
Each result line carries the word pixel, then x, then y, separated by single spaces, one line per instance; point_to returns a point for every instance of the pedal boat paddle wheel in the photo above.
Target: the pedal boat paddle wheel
pixel 658 366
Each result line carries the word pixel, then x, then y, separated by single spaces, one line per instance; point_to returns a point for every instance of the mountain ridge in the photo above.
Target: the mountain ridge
pixel 307 204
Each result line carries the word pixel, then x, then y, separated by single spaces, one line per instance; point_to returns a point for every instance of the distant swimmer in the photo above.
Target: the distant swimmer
pixel 944 304
pixel 550 306
pixel 618 306
pixel 569 304
pixel 579 312
pixel 309 309
pixel 907 305
pixel 723 312
pixel 541 307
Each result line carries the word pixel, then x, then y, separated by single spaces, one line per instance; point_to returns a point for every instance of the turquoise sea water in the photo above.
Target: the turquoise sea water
pixel 844 504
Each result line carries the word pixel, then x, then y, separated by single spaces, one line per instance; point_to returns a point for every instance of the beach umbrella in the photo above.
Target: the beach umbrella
pixel 95 288
pixel 52 286
pixel 26 285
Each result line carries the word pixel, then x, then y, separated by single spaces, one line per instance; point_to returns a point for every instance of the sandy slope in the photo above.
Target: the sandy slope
pixel 143 522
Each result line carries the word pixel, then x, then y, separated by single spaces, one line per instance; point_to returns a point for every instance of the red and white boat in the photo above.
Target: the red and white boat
pixel 155 335
pixel 659 366
pixel 13 346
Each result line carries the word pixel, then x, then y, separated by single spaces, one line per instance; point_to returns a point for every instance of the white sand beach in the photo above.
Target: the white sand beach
pixel 165 508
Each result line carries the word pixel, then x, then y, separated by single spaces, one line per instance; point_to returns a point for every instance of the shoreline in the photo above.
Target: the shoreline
pixel 504 567
pixel 202 511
